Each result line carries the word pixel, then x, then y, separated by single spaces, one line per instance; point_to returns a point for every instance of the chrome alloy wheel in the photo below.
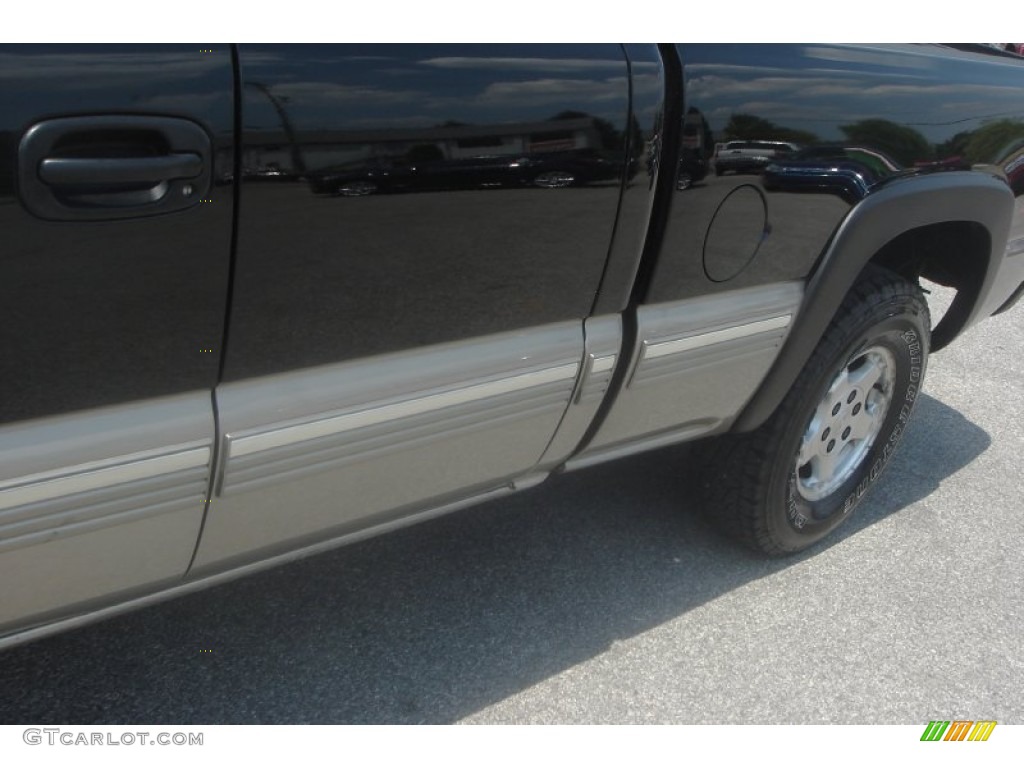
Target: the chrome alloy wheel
pixel 845 424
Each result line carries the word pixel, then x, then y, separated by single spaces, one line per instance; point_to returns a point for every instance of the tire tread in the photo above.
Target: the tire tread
pixel 736 470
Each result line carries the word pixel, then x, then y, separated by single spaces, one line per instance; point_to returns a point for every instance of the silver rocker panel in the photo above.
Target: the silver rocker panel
pixel 100 503
pixel 695 365
pixel 316 453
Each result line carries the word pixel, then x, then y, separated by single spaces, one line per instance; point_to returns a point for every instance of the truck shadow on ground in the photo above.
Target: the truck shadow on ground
pixel 435 622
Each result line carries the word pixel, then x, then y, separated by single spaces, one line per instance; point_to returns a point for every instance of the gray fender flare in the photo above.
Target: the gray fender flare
pixel 901 206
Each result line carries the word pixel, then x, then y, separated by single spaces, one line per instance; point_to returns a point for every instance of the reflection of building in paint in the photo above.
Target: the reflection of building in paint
pixel 696 133
pixel 1014 170
pixel 321 149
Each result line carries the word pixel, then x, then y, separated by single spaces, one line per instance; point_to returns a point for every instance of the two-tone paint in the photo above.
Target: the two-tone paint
pixel 411 277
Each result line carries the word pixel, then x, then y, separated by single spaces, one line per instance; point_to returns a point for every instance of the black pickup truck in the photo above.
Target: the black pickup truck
pixel 261 300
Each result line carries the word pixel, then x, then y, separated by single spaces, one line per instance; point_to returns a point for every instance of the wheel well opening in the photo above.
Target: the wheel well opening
pixel 954 254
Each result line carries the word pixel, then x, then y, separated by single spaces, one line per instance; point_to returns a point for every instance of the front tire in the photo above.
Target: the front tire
pixel 787 485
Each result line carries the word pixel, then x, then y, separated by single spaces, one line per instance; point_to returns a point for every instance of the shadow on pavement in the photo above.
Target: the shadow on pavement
pixel 435 622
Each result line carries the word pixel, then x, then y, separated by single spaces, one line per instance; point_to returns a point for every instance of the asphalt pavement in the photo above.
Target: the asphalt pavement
pixel 601 597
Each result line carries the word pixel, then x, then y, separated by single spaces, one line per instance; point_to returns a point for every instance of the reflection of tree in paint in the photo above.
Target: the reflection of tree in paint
pixel 743 126
pixel 610 138
pixel 994 141
pixel 954 147
pixel 905 145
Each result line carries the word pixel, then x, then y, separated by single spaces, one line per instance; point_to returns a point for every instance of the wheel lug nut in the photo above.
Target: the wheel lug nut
pixel 846 433
pixel 856 409
pixel 831 445
pixel 852 397
pixel 826 433
pixel 835 410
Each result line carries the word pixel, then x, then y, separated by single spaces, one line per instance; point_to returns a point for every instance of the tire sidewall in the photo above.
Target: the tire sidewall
pixel 796 522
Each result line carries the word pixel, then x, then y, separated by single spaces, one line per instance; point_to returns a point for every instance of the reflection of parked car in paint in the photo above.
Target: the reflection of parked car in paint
pixel 848 172
pixel 570 168
pixel 749 156
pixel 547 170
pixel 692 168
pixel 1014 171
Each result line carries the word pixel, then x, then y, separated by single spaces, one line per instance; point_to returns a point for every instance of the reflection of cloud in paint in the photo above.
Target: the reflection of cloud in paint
pixel 929 92
pixel 355 106
pixel 325 94
pixel 97 70
pixel 522 64
pixel 376 123
pixel 905 58
pixel 718 87
pixel 761 107
pixel 184 102
pixel 647 84
pixel 569 92
pixel 500 94
pixel 744 69
pixel 842 99
pixel 472 63
pixel 256 58
pixel 772 110
pixel 397 71
pixel 833 89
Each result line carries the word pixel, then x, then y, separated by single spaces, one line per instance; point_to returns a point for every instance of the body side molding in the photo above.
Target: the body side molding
pixel 603 349
pixel 324 451
pixel 45 486
pixel 275 438
pixel 101 502
pixel 694 365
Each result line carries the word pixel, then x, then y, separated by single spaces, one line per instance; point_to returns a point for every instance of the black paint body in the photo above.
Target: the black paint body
pixel 102 312
pixel 862 117
pixel 397 196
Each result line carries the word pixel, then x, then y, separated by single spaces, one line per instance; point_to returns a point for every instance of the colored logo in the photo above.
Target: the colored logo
pixel 958 730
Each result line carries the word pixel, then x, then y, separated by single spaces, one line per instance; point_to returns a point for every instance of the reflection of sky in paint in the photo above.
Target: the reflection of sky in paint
pixel 172 79
pixel 99 69
pixel 423 86
pixel 323 86
pixel 819 88
pixel 813 88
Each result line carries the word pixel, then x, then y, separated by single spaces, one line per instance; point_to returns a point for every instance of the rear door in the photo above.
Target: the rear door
pixel 422 232
pixel 116 213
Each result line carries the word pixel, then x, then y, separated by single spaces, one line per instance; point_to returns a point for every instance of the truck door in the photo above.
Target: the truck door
pixel 116 213
pixel 422 232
